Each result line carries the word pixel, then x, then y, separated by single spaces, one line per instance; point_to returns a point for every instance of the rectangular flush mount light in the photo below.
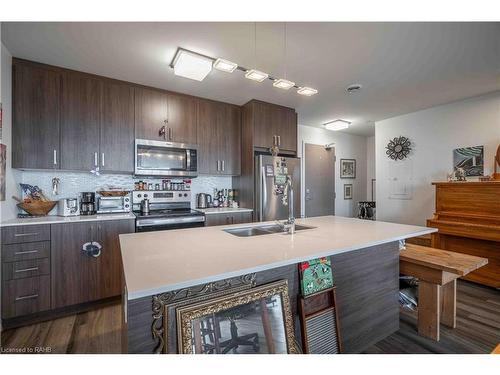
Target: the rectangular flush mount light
pixel 307 91
pixel 337 125
pixel 225 65
pixel 191 65
pixel 256 75
pixel 283 84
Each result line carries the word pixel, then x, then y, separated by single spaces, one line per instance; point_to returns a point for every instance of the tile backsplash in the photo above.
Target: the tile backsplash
pixel 72 183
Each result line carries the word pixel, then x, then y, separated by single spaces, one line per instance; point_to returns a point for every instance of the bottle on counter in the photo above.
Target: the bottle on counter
pixel 150 186
pixel 157 186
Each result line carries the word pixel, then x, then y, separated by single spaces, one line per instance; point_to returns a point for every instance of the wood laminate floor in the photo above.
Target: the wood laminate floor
pixel 98 331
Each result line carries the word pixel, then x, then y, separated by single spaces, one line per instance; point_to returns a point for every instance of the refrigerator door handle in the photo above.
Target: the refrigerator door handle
pixel 263 197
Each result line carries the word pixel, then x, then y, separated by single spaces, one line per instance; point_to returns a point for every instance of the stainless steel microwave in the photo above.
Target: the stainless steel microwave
pixel 158 158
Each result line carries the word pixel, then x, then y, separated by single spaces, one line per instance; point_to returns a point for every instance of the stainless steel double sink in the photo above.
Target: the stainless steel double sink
pixel 261 230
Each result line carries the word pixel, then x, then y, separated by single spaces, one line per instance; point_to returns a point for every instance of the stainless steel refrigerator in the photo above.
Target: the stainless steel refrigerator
pixel 268 205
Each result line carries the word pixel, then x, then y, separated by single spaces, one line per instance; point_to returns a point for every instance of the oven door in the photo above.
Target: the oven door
pixel 156 158
pixel 150 225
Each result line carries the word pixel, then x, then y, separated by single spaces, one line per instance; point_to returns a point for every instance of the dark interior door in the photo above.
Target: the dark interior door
pixel 319 180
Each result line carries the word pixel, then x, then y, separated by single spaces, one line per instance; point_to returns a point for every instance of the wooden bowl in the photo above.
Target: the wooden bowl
pixel 39 208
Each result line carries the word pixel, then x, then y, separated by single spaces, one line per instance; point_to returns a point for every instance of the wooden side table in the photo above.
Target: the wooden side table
pixel 437 271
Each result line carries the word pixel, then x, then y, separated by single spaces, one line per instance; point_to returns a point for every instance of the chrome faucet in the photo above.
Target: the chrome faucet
pixel 287 199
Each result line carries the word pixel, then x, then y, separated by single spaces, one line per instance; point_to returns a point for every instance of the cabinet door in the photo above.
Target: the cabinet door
pixel 218 219
pixel 110 266
pixel 241 217
pixel 287 129
pixel 74 274
pixel 150 113
pixel 182 119
pixel 80 121
pixel 78 277
pixel 264 128
pixel 35 130
pixel 208 145
pixel 229 136
pixel 117 128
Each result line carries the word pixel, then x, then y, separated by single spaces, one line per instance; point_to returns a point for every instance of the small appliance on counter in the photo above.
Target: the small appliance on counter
pixel 87 203
pixel 203 200
pixel 68 207
pixel 113 201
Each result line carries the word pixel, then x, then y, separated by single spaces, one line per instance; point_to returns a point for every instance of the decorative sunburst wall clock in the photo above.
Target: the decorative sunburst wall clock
pixel 398 148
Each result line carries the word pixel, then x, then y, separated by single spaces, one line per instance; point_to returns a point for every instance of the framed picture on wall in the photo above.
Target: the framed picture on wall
pixel 347 191
pixel 347 168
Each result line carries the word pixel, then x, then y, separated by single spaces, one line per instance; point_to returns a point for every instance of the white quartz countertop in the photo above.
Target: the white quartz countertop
pixel 158 262
pixel 223 210
pixel 52 219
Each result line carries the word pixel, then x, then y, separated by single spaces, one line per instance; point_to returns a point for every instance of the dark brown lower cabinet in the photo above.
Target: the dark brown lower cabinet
pixel 78 277
pixel 228 218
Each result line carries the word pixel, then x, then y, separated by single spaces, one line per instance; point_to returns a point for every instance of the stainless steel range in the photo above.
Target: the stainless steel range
pixel 162 210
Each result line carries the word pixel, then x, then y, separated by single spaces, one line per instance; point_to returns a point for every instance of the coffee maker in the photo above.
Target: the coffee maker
pixel 87 203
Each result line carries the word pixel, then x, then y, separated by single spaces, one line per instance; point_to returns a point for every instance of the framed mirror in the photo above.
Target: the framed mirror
pixel 255 321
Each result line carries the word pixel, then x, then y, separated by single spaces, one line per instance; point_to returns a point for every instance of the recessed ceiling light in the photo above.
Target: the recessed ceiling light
pixel 307 91
pixel 337 125
pixel 225 65
pixel 256 75
pixel 283 84
pixel 351 89
pixel 191 65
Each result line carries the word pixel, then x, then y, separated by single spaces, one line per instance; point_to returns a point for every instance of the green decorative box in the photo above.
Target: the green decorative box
pixel 315 276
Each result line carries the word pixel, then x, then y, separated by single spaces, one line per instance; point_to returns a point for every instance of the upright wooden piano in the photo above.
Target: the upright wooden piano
pixel 467 215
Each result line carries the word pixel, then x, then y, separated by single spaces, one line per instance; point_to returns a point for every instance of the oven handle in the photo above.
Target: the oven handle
pixel 172 220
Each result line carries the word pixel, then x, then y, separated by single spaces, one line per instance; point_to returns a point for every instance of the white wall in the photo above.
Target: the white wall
pixel 347 146
pixel 8 207
pixel 370 165
pixel 434 133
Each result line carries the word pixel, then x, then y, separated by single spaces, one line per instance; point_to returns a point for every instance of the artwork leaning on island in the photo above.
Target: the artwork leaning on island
pixel 254 321
pixel 470 159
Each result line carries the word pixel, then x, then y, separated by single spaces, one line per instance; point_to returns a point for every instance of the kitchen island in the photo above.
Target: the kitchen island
pixel 167 266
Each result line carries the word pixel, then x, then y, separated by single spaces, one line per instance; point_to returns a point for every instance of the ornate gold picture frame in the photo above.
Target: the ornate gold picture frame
pixel 255 321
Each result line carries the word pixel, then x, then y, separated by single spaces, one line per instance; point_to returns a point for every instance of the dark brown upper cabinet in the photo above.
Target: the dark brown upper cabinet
pixel 181 120
pixel 81 100
pixel 35 134
pixel 116 143
pixel 151 113
pixel 165 116
pixel 219 136
pixel 274 125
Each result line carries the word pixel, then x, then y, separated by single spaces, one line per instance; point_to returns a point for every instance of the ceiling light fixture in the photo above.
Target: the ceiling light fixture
pixel 191 65
pixel 225 65
pixel 283 84
pixel 336 125
pixel 307 91
pixel 256 75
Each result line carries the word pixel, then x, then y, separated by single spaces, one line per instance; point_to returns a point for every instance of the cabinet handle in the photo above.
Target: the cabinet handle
pixel 218 165
pixel 55 157
pixel 31 296
pixel 223 166
pixel 171 132
pixel 27 269
pixel 26 252
pixel 102 159
pixel 279 140
pixel 25 234
pixel 96 163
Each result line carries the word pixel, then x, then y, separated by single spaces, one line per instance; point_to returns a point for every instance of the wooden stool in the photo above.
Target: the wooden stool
pixel 437 271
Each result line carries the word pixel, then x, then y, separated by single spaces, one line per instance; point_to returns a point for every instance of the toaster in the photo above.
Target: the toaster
pixel 68 207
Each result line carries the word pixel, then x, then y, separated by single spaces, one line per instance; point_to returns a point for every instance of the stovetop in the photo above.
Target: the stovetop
pixel 175 212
